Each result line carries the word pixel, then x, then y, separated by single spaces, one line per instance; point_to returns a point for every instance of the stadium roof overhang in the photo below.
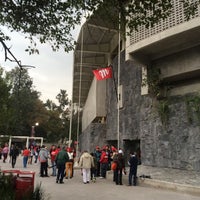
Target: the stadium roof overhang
pixel 92 51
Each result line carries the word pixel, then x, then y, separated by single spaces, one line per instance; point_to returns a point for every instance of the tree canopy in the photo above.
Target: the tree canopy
pixel 53 20
pixel 21 108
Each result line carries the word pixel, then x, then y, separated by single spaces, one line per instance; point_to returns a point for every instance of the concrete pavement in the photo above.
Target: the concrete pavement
pixel 172 179
pixel 74 188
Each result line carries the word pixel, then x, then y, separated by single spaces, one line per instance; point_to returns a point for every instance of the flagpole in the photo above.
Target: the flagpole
pixel 70 125
pixel 71 112
pixel 118 83
pixel 80 85
pixel 114 82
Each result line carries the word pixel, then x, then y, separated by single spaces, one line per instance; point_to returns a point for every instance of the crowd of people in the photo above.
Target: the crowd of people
pixel 61 161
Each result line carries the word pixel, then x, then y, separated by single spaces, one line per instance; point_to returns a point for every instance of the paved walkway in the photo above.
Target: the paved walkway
pixel 173 179
pixel 171 175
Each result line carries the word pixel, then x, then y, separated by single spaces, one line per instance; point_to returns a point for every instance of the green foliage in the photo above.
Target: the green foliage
pixel 7 187
pixel 163 111
pixel 53 21
pixel 63 101
pixel 5 101
pixel 21 108
pixel 153 81
pixel 58 120
pixel 193 108
pixel 22 100
pixel 50 21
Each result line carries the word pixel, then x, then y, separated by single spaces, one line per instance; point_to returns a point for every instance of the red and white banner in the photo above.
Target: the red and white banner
pixel 103 73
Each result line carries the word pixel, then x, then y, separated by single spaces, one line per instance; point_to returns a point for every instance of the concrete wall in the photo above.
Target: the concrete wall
pixel 182 64
pixel 95 103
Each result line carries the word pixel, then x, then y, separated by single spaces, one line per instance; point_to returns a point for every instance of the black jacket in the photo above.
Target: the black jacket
pixel 133 163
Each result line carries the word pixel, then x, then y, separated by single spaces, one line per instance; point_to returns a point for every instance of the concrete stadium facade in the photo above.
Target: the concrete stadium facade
pixel 161 121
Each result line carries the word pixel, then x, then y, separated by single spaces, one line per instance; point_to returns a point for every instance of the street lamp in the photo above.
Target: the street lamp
pixel 32 141
pixel 33 129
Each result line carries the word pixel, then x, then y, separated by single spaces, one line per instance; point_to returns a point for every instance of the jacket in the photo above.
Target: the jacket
pixel 120 161
pixel 43 155
pixel 133 163
pixel 62 157
pixel 86 161
pixel 104 157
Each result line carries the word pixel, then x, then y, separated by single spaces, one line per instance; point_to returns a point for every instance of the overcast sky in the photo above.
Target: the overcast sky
pixel 52 72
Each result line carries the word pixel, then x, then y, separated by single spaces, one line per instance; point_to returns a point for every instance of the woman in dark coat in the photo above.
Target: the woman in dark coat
pixel 120 168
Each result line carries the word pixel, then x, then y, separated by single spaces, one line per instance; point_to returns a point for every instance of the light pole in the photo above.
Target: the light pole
pixel 33 129
pixel 32 141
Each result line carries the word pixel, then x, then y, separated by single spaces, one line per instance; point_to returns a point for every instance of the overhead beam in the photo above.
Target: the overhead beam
pixel 87 65
pixel 102 28
pixel 100 48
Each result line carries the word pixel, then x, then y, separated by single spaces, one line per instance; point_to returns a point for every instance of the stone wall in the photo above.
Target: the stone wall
pixel 130 113
pixel 175 144
pixel 92 136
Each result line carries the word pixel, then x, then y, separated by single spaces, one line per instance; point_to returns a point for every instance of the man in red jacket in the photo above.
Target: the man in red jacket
pixel 104 162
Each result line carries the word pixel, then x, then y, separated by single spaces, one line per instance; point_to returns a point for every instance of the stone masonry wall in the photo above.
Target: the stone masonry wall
pixel 130 113
pixel 175 144
pixel 92 136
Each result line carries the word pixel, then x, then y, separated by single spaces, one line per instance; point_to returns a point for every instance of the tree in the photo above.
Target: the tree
pixel 53 21
pixel 63 101
pixel 6 112
pixel 21 108
pixel 23 98
pixel 50 105
pixel 58 117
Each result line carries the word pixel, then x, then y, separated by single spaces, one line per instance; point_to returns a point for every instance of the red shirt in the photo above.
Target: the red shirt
pixel 26 152
pixel 53 155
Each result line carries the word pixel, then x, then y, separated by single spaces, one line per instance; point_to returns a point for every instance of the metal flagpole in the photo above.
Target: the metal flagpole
pixel 118 83
pixel 71 113
pixel 113 77
pixel 79 103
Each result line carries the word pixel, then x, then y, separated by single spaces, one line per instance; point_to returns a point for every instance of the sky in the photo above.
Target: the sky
pixel 52 72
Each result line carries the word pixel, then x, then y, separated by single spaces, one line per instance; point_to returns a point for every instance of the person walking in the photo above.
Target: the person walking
pixel 133 163
pixel 31 154
pixel 61 159
pixel 14 153
pixel 1 150
pixel 36 153
pixel 86 163
pixel 5 152
pixel 93 172
pixel 53 154
pixel 25 154
pixel 43 158
pixel 69 164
